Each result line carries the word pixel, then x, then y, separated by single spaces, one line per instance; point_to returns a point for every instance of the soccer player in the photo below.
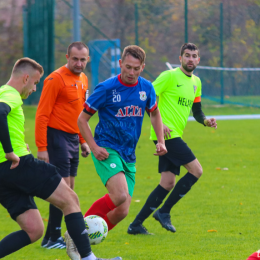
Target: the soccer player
pixel 179 91
pixel 121 102
pixel 22 177
pixel 56 131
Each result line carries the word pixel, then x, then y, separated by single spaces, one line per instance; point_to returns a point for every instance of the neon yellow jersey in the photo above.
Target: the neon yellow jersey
pixel 15 121
pixel 177 92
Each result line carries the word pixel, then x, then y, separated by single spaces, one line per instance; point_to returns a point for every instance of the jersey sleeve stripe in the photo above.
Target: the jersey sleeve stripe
pixel 152 108
pixel 89 109
pixel 197 99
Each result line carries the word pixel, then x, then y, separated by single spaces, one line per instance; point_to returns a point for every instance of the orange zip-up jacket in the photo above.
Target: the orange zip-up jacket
pixel 61 102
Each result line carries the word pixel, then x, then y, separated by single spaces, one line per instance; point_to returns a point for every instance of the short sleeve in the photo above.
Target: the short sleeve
pixel 198 91
pixel 151 104
pixel 162 82
pixel 96 100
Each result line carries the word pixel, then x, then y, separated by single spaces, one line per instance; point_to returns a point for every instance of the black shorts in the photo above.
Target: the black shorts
pixel 30 178
pixel 63 149
pixel 178 154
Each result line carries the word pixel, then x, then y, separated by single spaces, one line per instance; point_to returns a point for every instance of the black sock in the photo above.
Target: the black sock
pixel 55 218
pixel 152 203
pixel 48 231
pixel 77 231
pixel 181 188
pixel 14 242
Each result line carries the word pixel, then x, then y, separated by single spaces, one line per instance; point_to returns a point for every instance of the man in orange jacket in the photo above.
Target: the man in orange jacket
pixel 56 131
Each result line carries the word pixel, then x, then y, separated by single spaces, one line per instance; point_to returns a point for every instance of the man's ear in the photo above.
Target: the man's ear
pixel 143 66
pixel 25 78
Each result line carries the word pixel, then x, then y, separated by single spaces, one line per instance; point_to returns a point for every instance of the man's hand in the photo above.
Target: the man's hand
pixel 85 150
pixel 167 131
pixel 44 156
pixel 100 153
pixel 160 149
pixel 211 122
pixel 14 158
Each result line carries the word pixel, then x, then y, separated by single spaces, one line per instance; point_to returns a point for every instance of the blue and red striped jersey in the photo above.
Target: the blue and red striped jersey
pixel 121 109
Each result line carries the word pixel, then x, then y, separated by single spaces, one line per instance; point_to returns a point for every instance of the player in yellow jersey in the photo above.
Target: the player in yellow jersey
pixel 22 177
pixel 179 91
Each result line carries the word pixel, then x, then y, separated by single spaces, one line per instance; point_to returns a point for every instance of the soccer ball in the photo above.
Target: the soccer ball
pixel 97 229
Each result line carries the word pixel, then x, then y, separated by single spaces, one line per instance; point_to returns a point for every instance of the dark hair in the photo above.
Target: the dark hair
pixel 27 63
pixel 135 51
pixel 78 45
pixel 190 46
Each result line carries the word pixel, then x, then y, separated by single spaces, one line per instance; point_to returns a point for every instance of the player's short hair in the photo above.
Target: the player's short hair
pixel 27 64
pixel 78 45
pixel 135 51
pixel 190 46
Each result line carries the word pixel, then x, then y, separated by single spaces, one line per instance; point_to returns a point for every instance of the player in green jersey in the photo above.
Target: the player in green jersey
pixel 22 177
pixel 179 91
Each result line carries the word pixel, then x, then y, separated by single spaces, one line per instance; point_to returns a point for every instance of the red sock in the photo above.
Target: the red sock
pixel 109 224
pixel 101 207
pixel 254 256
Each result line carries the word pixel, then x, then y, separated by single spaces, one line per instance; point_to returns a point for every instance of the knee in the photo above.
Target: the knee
pixel 70 203
pixel 35 232
pixel 119 198
pixel 197 172
pixel 72 199
pixel 168 185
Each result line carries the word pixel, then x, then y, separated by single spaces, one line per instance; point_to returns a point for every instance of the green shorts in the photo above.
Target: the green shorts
pixel 113 165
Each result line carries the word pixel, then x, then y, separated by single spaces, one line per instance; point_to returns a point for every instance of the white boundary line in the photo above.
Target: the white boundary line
pixel 230 117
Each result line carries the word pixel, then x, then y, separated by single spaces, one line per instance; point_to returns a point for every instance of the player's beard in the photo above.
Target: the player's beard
pixel 187 68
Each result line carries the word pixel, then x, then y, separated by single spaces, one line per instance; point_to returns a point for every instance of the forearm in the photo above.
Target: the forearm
pixel 156 121
pixel 4 131
pixel 198 113
pixel 85 131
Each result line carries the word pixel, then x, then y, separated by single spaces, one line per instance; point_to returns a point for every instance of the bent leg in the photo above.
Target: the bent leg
pixel 118 192
pixel 183 185
pixel 194 168
pixel 55 219
pixel 156 197
pixel 119 213
pixel 66 199
pixel 118 197
pixel 32 229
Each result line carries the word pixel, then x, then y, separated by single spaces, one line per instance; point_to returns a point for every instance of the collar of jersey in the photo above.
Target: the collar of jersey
pixel 127 85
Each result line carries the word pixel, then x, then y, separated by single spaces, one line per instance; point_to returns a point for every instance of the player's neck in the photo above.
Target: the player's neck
pixel 16 84
pixel 76 74
pixel 186 72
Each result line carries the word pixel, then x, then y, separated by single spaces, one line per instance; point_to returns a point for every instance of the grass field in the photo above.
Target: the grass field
pixel 225 201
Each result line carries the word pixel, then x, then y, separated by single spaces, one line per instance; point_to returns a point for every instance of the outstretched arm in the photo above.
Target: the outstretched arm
pixel 99 152
pixel 157 124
